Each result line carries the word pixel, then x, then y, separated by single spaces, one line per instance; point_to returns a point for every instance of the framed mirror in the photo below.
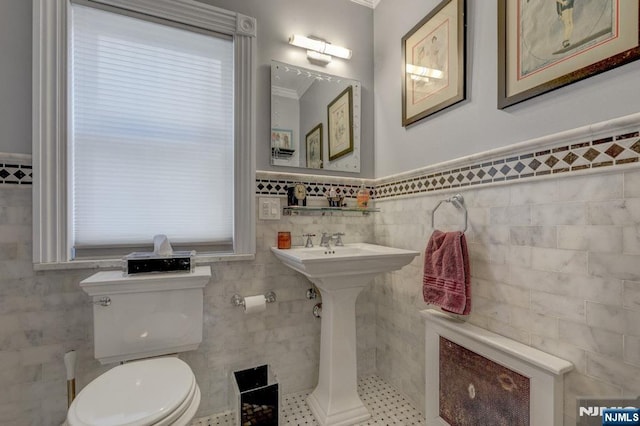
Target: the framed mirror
pixel 315 119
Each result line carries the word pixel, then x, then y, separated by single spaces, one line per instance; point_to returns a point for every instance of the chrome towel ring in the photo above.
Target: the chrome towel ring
pixel 457 201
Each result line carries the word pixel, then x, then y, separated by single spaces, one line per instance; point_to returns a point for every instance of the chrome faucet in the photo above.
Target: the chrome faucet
pixel 309 242
pixel 325 240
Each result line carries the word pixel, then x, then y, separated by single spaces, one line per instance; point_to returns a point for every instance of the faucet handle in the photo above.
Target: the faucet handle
pixel 309 242
pixel 338 237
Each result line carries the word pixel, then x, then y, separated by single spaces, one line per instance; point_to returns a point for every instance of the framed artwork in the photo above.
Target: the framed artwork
pixel 340 124
pixel 433 62
pixel 282 139
pixel 314 147
pixel 543 45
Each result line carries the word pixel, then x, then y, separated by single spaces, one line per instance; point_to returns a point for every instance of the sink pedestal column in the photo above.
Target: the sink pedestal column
pixel 335 400
pixel 341 274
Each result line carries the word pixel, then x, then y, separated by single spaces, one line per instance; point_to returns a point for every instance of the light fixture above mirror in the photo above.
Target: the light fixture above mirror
pixel 319 50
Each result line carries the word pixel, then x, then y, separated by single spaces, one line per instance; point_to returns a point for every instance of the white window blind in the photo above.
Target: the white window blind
pixel 151 130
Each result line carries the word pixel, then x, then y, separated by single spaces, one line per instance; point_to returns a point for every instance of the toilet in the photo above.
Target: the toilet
pixel 141 322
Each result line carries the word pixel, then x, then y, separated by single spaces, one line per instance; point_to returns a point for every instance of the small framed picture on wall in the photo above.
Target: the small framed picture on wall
pixel 340 124
pixel 281 138
pixel 433 62
pixel 314 147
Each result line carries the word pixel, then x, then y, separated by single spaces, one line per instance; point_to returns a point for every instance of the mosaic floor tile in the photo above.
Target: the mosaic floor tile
pixel 226 418
pixel 387 407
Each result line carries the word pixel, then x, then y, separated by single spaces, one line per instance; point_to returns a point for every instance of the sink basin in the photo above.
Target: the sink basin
pixel 350 259
pixel 340 273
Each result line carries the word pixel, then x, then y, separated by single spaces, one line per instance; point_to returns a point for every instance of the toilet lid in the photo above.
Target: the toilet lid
pixel 134 394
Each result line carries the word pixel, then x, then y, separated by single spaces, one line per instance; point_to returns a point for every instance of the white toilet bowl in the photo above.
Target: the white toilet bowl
pixel 158 392
pixel 147 315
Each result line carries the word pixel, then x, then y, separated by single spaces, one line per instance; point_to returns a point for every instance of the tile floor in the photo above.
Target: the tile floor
pixel 387 407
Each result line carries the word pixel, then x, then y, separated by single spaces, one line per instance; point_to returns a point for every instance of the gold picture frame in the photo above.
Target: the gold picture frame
pixel 434 65
pixel 313 144
pixel 340 124
pixel 581 39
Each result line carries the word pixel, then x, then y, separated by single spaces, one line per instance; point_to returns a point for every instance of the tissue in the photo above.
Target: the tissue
pixel 161 245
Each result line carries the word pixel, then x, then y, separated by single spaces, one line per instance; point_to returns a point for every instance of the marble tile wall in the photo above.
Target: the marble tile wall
pixel 554 264
pixel 45 314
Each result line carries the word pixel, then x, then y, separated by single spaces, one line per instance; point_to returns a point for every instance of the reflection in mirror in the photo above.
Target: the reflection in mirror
pixel 315 119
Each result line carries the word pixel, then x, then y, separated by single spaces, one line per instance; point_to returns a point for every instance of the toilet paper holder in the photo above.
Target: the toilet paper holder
pixel 237 300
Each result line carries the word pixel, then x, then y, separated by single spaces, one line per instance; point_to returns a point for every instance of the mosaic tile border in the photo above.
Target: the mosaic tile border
pixel 278 187
pixel 621 149
pixel 15 174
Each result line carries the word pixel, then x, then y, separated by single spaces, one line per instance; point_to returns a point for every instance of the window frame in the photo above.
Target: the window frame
pixel 51 201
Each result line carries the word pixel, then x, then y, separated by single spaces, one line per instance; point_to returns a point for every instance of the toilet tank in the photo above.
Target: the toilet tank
pixel 146 315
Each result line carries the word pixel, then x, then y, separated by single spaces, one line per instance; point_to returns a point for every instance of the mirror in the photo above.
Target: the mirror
pixel 315 119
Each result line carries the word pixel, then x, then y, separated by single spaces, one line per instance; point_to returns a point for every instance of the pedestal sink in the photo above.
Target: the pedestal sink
pixel 340 273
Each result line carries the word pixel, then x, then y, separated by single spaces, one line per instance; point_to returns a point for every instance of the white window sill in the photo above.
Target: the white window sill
pixel 117 263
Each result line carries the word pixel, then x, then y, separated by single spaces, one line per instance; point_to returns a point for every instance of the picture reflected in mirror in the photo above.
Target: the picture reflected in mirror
pixel 309 112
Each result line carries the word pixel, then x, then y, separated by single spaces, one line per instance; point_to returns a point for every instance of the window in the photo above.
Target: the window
pixel 151 130
pixel 154 136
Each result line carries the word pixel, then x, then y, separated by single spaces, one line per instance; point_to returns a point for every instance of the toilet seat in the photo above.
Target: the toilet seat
pixel 154 392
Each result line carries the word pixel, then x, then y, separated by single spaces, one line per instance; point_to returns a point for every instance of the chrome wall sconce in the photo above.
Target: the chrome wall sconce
pixel 319 50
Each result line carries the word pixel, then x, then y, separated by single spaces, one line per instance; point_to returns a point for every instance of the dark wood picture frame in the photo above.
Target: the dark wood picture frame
pixel 340 124
pixel 434 62
pixel 313 145
pixel 575 55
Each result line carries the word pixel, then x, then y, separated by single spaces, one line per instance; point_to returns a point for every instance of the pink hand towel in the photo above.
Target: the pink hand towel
pixel 447 280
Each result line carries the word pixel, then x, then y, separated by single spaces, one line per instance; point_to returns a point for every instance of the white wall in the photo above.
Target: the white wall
pixel 15 76
pixel 476 125
pixel 289 119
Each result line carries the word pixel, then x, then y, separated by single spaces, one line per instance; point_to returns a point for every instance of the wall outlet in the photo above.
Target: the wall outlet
pixel 269 208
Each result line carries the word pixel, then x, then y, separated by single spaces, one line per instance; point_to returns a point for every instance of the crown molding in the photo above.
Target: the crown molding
pixel 284 92
pixel 368 3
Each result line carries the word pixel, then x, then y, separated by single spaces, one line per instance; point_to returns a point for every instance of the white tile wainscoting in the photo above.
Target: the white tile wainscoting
pixel 44 314
pixel 554 265
pixel 554 249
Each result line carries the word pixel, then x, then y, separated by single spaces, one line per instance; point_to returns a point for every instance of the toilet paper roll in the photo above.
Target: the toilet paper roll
pixel 255 304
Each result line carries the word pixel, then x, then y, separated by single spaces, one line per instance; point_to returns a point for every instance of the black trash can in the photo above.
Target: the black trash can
pixel 256 397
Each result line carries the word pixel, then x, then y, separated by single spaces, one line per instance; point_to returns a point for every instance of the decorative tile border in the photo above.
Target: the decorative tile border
pixel 603 152
pixel 315 187
pixel 15 169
